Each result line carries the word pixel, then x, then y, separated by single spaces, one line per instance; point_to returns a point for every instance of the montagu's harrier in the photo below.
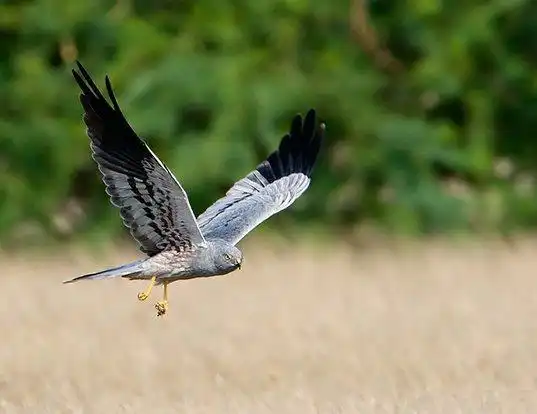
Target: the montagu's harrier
pixel 155 207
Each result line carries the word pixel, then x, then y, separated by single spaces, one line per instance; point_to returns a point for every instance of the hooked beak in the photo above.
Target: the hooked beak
pixel 239 264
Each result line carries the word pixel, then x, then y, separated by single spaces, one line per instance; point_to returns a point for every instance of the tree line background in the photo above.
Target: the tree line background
pixel 430 106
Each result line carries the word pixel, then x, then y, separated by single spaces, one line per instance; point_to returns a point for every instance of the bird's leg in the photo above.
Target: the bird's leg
pixel 144 295
pixel 162 306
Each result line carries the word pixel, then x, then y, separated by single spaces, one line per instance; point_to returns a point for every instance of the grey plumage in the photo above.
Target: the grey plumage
pixel 155 207
pixel 273 186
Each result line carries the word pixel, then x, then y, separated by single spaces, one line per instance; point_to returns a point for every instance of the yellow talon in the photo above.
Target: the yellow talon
pixel 162 306
pixel 144 295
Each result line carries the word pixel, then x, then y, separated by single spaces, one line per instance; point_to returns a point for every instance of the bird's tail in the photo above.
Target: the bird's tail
pixel 129 269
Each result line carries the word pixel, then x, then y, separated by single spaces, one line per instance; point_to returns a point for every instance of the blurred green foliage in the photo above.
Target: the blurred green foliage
pixel 430 106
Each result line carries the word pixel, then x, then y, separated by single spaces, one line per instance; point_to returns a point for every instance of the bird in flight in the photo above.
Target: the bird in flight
pixel 155 207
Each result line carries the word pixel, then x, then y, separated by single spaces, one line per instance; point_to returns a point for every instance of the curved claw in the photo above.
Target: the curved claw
pixel 161 307
pixel 144 295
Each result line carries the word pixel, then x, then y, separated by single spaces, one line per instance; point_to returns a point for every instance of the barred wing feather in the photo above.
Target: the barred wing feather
pixel 152 203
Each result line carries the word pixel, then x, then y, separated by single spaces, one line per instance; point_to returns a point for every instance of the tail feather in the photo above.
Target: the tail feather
pixel 129 269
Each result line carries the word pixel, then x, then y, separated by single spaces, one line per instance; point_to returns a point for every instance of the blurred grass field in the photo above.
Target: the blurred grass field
pixel 429 328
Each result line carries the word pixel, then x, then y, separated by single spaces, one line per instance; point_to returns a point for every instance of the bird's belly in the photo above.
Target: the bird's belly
pixel 172 277
pixel 175 277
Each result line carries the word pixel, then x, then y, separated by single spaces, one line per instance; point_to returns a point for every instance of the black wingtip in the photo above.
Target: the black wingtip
pixel 91 92
pixel 312 115
pixel 111 94
pixel 310 126
pixel 77 77
pixel 83 72
pixel 298 149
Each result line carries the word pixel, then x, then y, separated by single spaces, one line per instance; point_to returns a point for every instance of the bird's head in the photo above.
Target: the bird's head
pixel 227 258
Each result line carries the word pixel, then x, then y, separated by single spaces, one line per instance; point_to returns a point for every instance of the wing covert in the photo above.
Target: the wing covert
pixel 273 186
pixel 152 203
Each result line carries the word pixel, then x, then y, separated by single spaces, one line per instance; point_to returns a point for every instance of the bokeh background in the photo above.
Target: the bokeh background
pixel 363 297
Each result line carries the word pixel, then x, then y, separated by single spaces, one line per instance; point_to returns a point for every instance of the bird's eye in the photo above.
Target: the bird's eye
pixel 227 257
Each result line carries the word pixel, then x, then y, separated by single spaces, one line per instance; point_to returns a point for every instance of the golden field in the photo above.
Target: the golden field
pixel 420 327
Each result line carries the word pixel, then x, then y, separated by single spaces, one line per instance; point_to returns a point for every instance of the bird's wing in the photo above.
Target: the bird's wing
pixel 152 203
pixel 273 186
